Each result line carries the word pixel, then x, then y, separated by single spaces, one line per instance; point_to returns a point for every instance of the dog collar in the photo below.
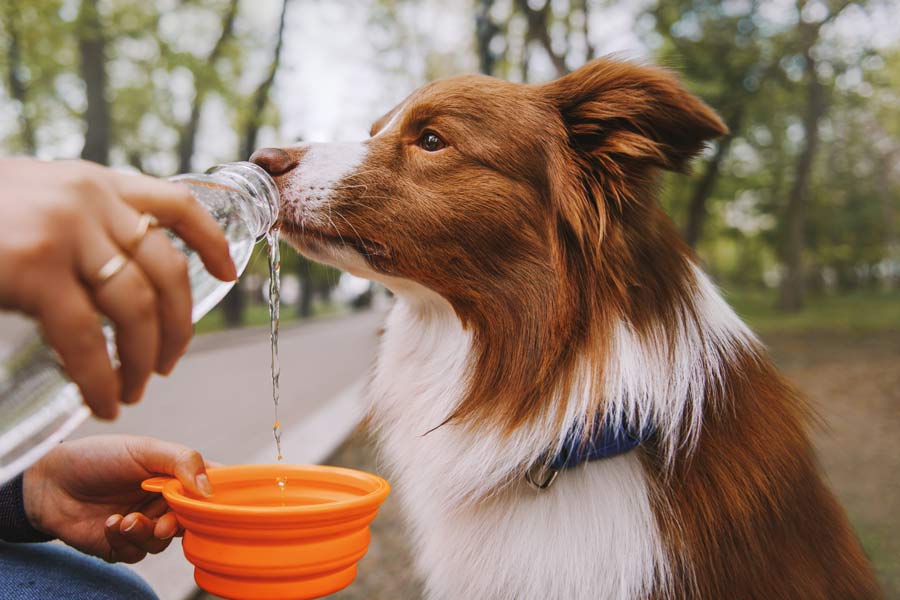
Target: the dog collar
pixel 607 441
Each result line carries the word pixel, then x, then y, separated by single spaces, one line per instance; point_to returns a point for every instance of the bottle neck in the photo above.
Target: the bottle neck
pixel 263 210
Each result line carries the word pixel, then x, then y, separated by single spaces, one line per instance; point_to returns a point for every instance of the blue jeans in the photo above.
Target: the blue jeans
pixel 51 571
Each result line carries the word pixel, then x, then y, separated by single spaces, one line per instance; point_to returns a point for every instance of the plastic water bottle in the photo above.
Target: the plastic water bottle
pixel 39 406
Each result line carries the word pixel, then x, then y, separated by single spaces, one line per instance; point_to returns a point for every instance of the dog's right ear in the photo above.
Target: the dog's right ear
pixel 621 116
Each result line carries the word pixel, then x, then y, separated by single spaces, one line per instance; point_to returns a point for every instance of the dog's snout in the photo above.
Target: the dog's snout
pixel 274 160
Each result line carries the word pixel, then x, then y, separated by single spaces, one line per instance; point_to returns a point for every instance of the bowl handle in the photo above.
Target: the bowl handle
pixel 155 484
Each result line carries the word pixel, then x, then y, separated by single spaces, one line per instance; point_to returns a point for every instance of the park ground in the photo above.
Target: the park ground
pixel 844 353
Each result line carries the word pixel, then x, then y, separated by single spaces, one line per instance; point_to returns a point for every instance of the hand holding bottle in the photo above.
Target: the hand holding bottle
pixel 62 227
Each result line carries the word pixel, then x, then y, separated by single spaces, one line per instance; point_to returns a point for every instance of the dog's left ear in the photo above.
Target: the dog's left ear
pixel 618 113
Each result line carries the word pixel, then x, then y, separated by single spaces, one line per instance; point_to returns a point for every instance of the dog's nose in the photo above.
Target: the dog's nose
pixel 274 160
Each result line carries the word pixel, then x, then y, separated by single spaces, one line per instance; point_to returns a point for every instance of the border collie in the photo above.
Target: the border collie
pixel 567 406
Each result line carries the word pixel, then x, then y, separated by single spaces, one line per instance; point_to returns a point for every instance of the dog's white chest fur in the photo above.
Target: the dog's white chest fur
pixel 478 530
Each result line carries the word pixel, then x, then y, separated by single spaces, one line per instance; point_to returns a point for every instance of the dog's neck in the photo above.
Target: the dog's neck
pixel 662 380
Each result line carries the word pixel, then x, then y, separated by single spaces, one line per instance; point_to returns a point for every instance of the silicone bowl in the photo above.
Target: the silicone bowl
pixel 254 540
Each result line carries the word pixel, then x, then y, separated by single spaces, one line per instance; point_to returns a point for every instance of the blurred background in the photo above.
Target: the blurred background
pixel 796 213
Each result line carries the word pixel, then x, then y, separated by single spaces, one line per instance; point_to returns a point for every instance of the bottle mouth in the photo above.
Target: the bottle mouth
pixel 258 183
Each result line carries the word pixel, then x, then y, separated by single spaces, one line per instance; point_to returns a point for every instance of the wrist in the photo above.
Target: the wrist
pixel 32 499
pixel 15 525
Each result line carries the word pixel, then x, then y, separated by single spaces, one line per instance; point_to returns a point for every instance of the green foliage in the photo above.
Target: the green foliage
pixel 257 315
pixel 745 58
pixel 745 64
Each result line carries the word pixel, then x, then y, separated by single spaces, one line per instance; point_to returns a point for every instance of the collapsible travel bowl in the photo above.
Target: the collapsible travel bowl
pixel 256 539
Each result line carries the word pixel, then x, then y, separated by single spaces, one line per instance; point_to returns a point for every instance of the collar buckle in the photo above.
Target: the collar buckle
pixel 541 476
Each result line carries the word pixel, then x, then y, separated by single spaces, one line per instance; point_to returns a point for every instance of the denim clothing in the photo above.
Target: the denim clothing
pixel 57 572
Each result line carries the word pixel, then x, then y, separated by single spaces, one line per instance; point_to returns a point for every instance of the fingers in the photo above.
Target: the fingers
pixel 129 300
pixel 133 537
pixel 167 527
pixel 176 208
pixel 167 458
pixel 167 271
pixel 72 328
pixel 121 549
pixel 154 508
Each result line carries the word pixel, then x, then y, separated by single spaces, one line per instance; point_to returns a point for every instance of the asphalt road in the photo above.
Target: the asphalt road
pixel 219 399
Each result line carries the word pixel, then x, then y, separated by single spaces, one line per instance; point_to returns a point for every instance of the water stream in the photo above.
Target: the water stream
pixel 275 315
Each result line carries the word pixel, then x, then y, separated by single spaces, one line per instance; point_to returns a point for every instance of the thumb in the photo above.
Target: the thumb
pixel 169 458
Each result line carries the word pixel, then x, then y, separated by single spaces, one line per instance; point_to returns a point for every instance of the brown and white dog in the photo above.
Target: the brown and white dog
pixel 540 289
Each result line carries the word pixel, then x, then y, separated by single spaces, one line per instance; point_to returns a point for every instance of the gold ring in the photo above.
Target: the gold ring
pixel 110 269
pixel 144 224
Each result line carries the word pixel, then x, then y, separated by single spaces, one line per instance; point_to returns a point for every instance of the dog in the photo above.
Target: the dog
pixel 567 406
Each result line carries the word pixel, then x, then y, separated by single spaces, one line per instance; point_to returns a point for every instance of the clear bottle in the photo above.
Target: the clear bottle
pixel 39 406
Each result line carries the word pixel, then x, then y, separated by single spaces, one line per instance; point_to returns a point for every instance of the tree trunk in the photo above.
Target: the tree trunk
pixel 791 297
pixel 233 306
pixel 539 30
pixel 307 291
pixel 17 87
pixel 187 139
pixel 485 30
pixel 697 209
pixel 92 52
pixel 261 94
pixel 589 50
pixel 891 243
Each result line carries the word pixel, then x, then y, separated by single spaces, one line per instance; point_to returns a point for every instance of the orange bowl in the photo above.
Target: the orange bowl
pixel 257 540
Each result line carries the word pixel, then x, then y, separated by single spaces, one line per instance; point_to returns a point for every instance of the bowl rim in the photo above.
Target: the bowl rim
pixel 173 492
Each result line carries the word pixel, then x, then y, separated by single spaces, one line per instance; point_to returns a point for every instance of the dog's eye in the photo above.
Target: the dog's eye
pixel 430 142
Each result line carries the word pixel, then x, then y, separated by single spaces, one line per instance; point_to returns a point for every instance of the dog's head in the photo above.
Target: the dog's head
pixel 529 208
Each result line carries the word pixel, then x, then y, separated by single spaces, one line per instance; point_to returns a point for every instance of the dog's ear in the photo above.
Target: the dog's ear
pixel 622 115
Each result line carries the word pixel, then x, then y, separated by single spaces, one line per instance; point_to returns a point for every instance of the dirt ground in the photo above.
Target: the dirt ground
pixel 854 383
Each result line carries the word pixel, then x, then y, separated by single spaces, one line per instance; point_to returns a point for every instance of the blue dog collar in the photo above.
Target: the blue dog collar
pixel 607 441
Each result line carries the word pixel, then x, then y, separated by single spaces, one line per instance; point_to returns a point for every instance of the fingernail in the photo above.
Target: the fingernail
pixel 111 521
pixel 129 523
pixel 168 535
pixel 204 485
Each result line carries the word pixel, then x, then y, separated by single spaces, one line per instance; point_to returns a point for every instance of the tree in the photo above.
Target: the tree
pixel 234 303
pixel 485 30
pixel 791 296
pixel 260 96
pixel 697 35
pixel 92 53
pixel 204 79
pixel 16 80
pixel 538 30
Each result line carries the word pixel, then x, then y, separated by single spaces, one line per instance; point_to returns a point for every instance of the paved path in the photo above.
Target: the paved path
pixel 219 401
pixel 219 398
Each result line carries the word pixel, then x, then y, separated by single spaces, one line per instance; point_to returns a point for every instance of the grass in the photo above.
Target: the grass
pixel 855 312
pixel 257 315
pixel 881 550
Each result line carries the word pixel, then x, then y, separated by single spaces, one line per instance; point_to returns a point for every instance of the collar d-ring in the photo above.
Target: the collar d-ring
pixel 540 475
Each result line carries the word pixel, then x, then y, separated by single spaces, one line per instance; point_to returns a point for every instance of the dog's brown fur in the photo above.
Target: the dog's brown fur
pixel 558 236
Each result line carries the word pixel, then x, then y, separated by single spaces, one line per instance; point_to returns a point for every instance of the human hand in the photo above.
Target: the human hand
pixel 80 491
pixel 60 223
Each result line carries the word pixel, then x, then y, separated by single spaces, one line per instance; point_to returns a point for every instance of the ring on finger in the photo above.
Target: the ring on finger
pixel 110 269
pixel 145 223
